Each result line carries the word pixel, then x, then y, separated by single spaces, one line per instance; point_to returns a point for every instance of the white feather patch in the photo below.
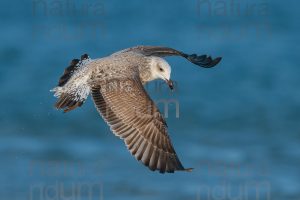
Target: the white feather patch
pixel 77 87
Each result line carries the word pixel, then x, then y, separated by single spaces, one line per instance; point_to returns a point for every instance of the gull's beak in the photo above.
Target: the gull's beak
pixel 170 84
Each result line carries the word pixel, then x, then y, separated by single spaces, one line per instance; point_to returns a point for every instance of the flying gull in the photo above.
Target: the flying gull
pixel 116 86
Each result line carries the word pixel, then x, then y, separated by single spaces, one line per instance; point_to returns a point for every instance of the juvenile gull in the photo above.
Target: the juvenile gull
pixel 116 85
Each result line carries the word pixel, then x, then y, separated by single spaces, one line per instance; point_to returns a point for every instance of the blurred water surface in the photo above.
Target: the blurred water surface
pixel 238 124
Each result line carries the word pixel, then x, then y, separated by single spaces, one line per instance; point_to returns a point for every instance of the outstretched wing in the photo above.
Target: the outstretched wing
pixel 133 116
pixel 202 60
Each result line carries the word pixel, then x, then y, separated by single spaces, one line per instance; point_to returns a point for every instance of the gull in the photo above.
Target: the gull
pixel 116 84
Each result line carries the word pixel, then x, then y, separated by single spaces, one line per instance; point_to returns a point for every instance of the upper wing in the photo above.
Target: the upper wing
pixel 202 60
pixel 133 116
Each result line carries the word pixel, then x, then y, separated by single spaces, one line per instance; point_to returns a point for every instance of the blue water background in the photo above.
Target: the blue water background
pixel 239 123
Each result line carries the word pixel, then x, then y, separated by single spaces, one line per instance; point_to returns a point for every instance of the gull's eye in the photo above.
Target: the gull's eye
pixel 161 69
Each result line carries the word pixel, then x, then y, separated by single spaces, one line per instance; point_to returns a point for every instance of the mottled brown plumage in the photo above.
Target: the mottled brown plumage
pixel 133 116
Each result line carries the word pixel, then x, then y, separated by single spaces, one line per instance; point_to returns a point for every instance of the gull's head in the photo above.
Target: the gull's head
pixel 160 69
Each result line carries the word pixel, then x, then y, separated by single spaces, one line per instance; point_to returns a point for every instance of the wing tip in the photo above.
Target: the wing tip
pixel 67 103
pixel 188 170
pixel 172 171
pixel 203 60
pixel 216 61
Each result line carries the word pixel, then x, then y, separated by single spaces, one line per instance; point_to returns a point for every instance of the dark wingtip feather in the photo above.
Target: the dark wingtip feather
pixel 203 60
pixel 216 61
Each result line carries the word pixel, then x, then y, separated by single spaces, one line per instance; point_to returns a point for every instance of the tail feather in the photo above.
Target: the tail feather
pixel 67 103
pixel 70 94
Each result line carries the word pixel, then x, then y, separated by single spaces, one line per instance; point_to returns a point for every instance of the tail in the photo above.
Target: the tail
pixel 73 89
